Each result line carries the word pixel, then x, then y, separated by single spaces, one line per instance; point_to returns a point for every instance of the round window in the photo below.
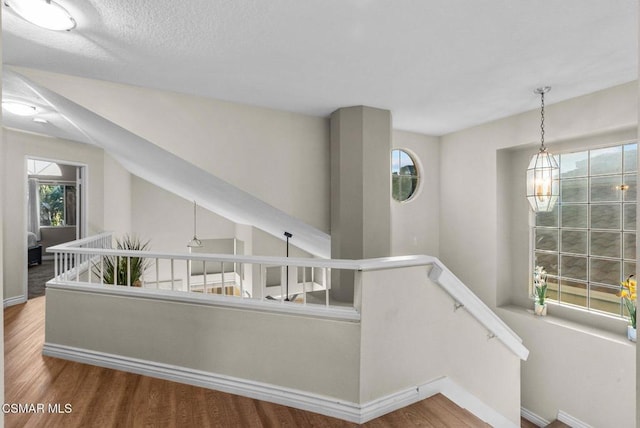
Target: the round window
pixel 404 175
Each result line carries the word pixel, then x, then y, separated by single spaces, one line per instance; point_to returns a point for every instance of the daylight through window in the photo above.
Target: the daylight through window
pixel 587 244
pixel 404 175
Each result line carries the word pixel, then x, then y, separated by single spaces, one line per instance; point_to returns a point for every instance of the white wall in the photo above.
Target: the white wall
pixel 279 157
pixel 411 335
pixel 415 223
pixel 117 197
pixel 473 245
pixel 17 147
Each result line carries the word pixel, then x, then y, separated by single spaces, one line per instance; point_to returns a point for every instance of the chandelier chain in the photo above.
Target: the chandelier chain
pixel 542 121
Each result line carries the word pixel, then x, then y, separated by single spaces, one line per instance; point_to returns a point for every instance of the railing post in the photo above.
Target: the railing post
pixel 172 276
pixel 128 271
pixel 204 276
pixel 304 285
pixel 223 292
pixel 241 284
pixel 157 274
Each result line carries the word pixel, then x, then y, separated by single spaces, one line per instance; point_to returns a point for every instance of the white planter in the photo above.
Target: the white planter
pixel 540 310
pixel 631 333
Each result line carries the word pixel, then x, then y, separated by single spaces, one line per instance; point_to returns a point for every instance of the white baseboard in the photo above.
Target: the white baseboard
pixel 329 406
pixel 571 421
pixel 532 417
pixel 11 301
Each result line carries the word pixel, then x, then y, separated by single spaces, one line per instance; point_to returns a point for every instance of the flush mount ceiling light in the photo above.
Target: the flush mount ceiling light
pixel 19 108
pixel 542 175
pixel 43 13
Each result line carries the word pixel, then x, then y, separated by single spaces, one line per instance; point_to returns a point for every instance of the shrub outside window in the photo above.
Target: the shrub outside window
pixel 587 244
pixel 404 175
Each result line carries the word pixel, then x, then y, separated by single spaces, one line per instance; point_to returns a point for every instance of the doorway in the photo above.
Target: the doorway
pixel 55 203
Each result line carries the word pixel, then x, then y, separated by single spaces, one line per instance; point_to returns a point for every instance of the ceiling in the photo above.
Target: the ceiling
pixel 438 65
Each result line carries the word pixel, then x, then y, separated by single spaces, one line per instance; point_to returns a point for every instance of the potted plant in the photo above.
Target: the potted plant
pixel 629 294
pixel 540 290
pixel 114 269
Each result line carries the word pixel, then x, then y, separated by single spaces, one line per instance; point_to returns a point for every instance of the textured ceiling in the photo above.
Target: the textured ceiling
pixel 438 65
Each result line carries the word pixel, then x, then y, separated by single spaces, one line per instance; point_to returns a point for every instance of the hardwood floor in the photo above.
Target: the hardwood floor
pixel 101 397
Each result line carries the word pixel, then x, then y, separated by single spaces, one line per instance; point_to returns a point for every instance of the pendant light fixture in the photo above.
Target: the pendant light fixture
pixel 195 242
pixel 542 175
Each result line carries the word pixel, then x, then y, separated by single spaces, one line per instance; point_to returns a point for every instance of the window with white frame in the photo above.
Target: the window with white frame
pixel 587 244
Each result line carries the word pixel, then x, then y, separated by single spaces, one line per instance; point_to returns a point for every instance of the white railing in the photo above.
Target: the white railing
pixel 82 264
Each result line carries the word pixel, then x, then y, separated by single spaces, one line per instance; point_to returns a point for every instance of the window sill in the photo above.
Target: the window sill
pixel 597 325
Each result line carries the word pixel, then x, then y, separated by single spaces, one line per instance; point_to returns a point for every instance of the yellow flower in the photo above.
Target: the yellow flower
pixel 624 293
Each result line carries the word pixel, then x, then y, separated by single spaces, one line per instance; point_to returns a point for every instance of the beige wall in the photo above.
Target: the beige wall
pixel 415 223
pixel 411 335
pixel 279 157
pixel 474 244
pixel 17 147
pixel 307 354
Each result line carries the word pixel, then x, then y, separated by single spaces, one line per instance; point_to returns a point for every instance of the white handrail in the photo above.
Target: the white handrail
pixel 439 274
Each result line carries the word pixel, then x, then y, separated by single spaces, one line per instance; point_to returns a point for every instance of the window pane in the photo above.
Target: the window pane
pixel 574 267
pixel 574 190
pixel 606 244
pixel 630 193
pixel 70 205
pixel 605 189
pixel 605 271
pixel 605 216
pixel 404 176
pixel 606 161
pixel 604 299
pixel 574 241
pixel 574 216
pixel 552 288
pixel 630 158
pixel 629 216
pixel 629 245
pixel 547 239
pixel 549 219
pixel 573 164
pixel 548 261
pixel 629 269
pixel 573 292
pixel 51 205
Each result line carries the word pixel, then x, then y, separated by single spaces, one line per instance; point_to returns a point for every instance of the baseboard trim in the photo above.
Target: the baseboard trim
pixel 532 417
pixel 571 421
pixel 11 301
pixel 329 406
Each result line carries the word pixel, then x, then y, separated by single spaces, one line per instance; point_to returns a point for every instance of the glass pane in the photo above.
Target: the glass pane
pixel 51 205
pixel 552 288
pixel 70 205
pixel 574 241
pixel 629 245
pixel 574 267
pixel 631 191
pixel 605 189
pixel 395 161
pixel 574 216
pixel 548 261
pixel 605 216
pixel 606 244
pixel 547 239
pixel 629 216
pixel 574 190
pixel 606 161
pixel 404 178
pixel 573 292
pixel 549 219
pixel 574 164
pixel 605 271
pixel 630 158
pixel 629 269
pixel 604 299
